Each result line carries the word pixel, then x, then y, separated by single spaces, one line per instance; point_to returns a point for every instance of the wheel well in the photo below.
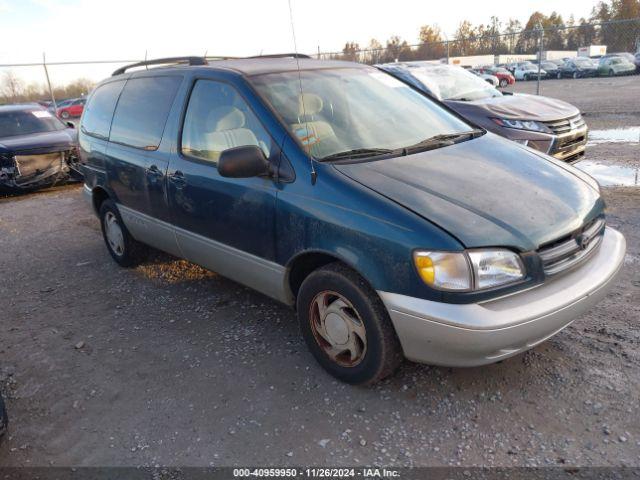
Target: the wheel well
pixel 99 195
pixel 303 265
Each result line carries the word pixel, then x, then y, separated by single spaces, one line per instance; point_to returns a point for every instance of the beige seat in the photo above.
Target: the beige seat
pixel 226 129
pixel 310 129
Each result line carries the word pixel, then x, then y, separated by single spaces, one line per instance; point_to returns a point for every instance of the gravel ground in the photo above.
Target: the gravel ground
pixel 169 364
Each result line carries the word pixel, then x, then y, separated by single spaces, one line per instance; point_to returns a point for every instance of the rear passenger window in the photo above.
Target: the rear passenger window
pixel 217 119
pixel 99 111
pixel 142 111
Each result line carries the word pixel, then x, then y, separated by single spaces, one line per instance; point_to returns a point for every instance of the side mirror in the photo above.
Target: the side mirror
pixel 70 124
pixel 243 162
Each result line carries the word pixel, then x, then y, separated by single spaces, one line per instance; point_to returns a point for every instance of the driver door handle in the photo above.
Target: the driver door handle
pixel 178 179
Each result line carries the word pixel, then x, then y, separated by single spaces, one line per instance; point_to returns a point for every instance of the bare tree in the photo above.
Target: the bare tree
pixel 12 86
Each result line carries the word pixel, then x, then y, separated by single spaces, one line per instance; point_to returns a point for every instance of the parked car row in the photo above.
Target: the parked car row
pixel 393 225
pixel 577 67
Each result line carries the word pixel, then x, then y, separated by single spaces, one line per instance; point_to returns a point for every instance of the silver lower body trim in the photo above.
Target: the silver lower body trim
pixel 255 272
pixel 477 334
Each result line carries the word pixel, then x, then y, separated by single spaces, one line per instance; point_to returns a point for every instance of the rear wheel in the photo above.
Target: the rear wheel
pixel 611 72
pixel 124 249
pixel 559 75
pixel 504 82
pixel 64 114
pixel 346 326
pixel 575 75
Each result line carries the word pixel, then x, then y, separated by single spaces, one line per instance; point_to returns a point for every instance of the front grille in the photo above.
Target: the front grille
pixel 569 251
pixel 566 125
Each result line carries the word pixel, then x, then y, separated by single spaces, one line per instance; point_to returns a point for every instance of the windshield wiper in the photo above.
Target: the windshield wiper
pixel 443 140
pixel 356 153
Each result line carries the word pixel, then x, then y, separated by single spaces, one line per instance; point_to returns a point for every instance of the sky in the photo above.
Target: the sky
pixel 69 30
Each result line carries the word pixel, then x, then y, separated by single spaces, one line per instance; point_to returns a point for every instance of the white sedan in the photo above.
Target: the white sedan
pixel 490 79
pixel 528 71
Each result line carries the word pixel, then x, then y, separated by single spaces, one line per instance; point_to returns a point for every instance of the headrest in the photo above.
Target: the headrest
pixel 312 104
pixel 225 118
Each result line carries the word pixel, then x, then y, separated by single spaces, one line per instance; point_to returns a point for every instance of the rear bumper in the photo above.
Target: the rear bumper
pixel 478 334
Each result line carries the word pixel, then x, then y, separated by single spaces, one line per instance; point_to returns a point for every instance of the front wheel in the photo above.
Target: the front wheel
pixel 559 76
pixel 611 73
pixel 124 249
pixel 575 75
pixel 65 115
pixel 346 326
pixel 504 82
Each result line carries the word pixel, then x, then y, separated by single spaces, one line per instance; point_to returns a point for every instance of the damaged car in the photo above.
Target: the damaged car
pixel 545 124
pixel 36 149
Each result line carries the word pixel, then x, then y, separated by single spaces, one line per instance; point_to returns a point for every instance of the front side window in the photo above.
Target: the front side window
pixel 98 113
pixel 354 108
pixel 25 122
pixel 217 119
pixel 142 111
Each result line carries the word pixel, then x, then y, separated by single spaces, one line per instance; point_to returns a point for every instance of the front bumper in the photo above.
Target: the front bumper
pixel 478 334
pixel 568 147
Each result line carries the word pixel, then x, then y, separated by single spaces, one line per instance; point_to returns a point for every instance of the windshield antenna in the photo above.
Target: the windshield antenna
pixel 314 174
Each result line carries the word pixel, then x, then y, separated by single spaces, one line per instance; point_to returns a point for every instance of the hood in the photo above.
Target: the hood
pixel 521 107
pixel 40 142
pixel 485 192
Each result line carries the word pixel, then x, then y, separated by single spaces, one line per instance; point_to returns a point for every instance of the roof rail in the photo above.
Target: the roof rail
pixel 282 55
pixel 162 61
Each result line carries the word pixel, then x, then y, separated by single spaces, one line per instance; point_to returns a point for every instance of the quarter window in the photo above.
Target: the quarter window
pixel 217 119
pixel 99 111
pixel 142 111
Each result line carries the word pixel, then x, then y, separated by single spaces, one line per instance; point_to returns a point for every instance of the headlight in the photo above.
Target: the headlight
pixel 522 125
pixel 470 270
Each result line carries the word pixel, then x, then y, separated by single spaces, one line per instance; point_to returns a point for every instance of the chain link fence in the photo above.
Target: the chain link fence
pixel 58 80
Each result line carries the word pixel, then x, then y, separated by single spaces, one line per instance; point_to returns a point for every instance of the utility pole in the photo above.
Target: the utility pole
pixel 540 40
pixel 46 73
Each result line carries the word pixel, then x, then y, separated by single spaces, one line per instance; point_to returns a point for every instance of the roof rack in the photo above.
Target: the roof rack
pixel 282 55
pixel 161 61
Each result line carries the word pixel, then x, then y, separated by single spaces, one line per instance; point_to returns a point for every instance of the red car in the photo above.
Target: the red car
pixel 505 77
pixel 72 109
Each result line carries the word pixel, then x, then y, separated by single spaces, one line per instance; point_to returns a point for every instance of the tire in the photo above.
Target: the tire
pixel 559 75
pixel 611 72
pixel 65 115
pixel 123 248
pixel 365 345
pixel 526 77
pixel 4 419
pixel 575 75
pixel 503 83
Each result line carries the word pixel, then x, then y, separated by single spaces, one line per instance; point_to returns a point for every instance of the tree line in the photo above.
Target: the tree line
pixel 605 26
pixel 14 90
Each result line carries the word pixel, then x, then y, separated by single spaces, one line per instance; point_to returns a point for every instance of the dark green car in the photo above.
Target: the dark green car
pixel 612 66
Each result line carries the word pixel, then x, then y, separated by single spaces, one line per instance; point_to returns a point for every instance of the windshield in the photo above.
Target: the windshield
pixel 354 108
pixel 25 122
pixel 454 83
